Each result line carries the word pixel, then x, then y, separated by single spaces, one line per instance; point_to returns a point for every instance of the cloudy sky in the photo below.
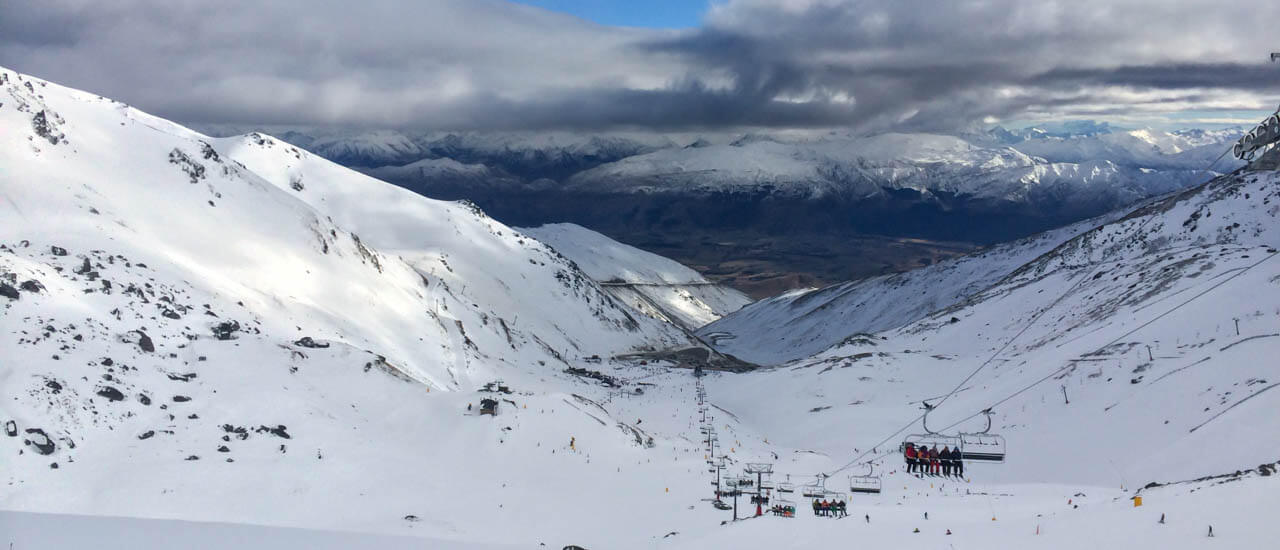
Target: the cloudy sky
pixel 663 66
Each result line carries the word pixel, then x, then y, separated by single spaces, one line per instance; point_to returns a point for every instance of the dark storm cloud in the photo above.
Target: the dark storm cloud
pixel 1254 77
pixel 484 64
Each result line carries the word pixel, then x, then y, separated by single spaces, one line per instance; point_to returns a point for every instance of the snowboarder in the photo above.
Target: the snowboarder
pixel 868 516
pixel 572 441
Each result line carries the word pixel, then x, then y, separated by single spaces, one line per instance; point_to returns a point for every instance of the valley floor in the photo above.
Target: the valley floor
pixel 764 265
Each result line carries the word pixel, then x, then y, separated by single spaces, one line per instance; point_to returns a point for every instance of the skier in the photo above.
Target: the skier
pixel 911 458
pixel 945 457
pixel 572 441
pixel 957 462
pixel 933 460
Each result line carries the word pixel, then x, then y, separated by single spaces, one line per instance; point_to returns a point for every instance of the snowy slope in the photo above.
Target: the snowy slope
pixel 1113 365
pixel 798 324
pixel 189 321
pixel 1133 322
pixel 650 283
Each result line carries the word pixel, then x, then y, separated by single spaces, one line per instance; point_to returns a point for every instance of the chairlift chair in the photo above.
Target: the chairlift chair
pixel 816 489
pixel 786 488
pixel 868 483
pixel 982 446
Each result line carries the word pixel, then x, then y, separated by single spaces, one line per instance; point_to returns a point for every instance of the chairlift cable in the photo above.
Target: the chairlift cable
pixel 1121 337
pixel 975 372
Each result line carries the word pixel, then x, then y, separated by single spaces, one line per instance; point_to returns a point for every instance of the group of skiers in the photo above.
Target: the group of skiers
pixel 832 508
pixel 931 461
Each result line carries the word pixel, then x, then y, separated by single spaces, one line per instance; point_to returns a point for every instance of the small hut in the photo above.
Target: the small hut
pixel 489 407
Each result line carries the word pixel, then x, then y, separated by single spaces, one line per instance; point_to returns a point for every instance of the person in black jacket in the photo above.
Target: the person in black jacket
pixel 944 457
pixel 957 462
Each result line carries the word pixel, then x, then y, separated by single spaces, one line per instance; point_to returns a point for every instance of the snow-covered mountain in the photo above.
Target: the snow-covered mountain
pixel 441 170
pixel 238 333
pixel 841 191
pixel 804 322
pixel 189 320
pixel 657 286
pixel 1037 172
pixel 1142 149
pixel 807 163
pixel 377 148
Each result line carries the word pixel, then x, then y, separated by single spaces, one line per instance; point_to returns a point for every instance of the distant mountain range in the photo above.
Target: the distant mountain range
pixel 979 187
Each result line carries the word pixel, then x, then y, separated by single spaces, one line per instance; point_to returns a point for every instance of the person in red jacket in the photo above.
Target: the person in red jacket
pixel 912 457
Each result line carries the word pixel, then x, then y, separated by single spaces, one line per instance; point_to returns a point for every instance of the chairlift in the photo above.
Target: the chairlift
pixel 982 446
pixel 1260 137
pixel 733 489
pixel 930 438
pixel 816 489
pixel 784 508
pixel 786 488
pixel 868 483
